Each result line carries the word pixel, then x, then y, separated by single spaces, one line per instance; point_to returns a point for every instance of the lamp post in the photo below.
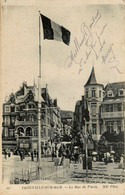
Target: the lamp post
pixel 86 150
pixel 106 152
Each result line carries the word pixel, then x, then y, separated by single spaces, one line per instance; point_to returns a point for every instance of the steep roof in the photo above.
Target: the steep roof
pixel 115 87
pixel 92 78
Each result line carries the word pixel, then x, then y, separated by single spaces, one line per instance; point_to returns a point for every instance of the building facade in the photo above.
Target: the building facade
pixel 113 108
pixel 20 118
pixel 93 98
pixel 67 122
pixel 106 108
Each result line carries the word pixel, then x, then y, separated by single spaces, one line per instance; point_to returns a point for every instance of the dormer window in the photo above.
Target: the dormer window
pixel 121 92
pixel 12 108
pixel 7 109
pixel 110 94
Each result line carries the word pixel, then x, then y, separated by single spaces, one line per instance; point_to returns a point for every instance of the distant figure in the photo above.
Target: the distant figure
pixel 62 159
pixel 112 159
pixel 80 158
pixel 121 162
pixel 21 155
pixel 37 155
pixel 32 158
pixel 9 154
pixel 5 154
pixel 53 155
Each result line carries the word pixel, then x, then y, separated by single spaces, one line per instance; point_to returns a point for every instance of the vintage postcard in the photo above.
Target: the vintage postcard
pixel 62 97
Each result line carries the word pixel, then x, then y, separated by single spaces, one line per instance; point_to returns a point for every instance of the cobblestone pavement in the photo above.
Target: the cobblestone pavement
pixel 100 173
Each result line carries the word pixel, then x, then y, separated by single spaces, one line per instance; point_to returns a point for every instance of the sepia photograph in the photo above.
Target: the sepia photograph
pixel 62 94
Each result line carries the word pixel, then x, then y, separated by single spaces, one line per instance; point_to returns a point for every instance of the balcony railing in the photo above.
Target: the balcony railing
pixel 119 114
pixel 25 123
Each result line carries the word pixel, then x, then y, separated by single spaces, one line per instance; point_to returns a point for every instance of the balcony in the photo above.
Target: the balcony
pixel 108 115
pixel 25 123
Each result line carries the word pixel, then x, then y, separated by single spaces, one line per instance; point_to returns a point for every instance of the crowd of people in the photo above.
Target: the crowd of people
pixel 63 151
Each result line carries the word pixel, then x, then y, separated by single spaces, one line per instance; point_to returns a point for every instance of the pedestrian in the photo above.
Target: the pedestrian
pixel 37 155
pixel 9 153
pixel 32 157
pixel 62 159
pixel 21 155
pixel 5 154
pixel 34 153
pixel 121 161
pixel 53 155
pixel 80 158
pixel 76 156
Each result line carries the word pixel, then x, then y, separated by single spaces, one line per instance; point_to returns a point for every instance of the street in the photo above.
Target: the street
pixel 100 173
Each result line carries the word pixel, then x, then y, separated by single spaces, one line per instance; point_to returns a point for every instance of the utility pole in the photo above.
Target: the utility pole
pixel 87 119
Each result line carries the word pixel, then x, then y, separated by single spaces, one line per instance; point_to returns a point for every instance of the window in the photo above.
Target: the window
pixel 107 108
pixel 12 120
pixel 110 93
pixel 28 131
pixel 100 93
pixel 29 117
pixel 111 108
pixel 12 108
pixel 119 107
pixel 93 92
pixel 115 108
pixel 22 107
pixel 44 133
pixel 32 117
pixel 7 109
pixel 119 126
pixel 109 126
pixel 93 108
pixel 94 129
pixel 31 106
pixel 20 131
pixel 7 120
pixel 35 132
pixel 11 133
pixel 103 108
pixel 17 108
pixel 121 92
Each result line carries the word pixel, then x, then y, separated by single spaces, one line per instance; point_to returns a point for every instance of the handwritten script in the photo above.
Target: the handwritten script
pixel 95 46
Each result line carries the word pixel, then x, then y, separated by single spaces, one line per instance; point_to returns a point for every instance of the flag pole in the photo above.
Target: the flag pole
pixel 39 104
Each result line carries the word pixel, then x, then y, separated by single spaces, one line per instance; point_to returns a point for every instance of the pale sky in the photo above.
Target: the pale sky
pixel 20 54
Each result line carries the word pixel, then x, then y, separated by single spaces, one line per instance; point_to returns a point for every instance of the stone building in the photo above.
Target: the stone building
pixel 106 108
pixel 113 108
pixel 93 98
pixel 20 114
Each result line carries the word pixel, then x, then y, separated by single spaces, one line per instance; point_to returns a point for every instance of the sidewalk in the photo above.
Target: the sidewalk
pixel 51 173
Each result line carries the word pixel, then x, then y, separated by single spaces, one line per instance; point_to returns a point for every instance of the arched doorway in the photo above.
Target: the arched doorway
pixel 28 131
